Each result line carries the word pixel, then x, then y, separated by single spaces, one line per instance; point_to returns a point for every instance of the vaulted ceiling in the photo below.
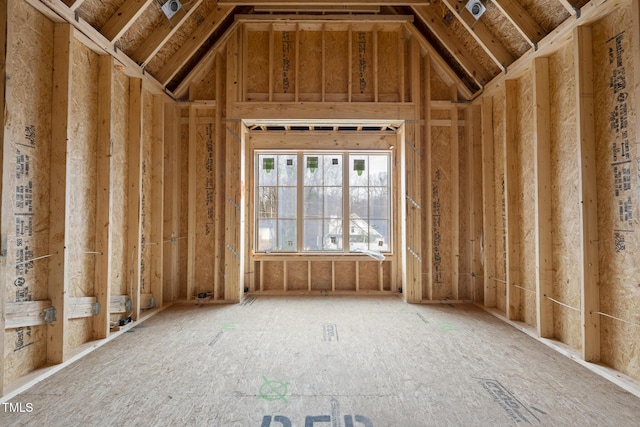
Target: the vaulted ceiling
pixel 168 47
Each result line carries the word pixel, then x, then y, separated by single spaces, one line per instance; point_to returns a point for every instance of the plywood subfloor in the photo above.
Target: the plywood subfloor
pixel 347 361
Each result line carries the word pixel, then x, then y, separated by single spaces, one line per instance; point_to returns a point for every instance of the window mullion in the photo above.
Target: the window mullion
pixel 346 194
pixel 300 207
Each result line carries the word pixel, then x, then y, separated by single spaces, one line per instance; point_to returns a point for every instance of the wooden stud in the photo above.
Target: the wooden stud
pixel 567 5
pixel 488 203
pixel 6 213
pixel 172 193
pixel 635 41
pixel 324 63
pixel 375 64
pixel 191 204
pixel 219 182
pixel 157 200
pixel 427 195
pixel 401 59
pixel 297 66
pixel 590 303
pixel 351 66
pixel 542 171
pixel 455 203
pixel 512 196
pixel 357 276
pixel 59 199
pixel 104 205
pixel 134 250
pixel 123 18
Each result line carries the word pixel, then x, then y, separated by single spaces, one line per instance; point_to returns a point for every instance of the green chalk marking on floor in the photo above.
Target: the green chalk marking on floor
pixel 229 326
pixel 446 327
pixel 273 390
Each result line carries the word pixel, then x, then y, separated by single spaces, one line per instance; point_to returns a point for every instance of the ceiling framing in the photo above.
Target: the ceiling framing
pixel 139 35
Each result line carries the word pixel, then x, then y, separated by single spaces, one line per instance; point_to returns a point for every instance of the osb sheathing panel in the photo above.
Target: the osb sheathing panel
pixel 184 207
pixel 148 216
pixel 310 65
pixel 565 197
pixel 98 12
pixel 499 202
pixel 206 88
pixel 297 275
pixel 284 63
pixel 388 67
pixel 345 275
pixel 120 258
pixel 273 276
pixel 439 89
pixel 180 36
pixel 472 48
pixel 337 63
pixel 258 66
pixel 527 191
pixel 441 211
pixel 618 164
pixel 504 31
pixel 142 28
pixel 547 13
pixel 82 146
pixel 205 209
pixel 362 65
pixel 368 275
pixel 321 276
pixel 28 137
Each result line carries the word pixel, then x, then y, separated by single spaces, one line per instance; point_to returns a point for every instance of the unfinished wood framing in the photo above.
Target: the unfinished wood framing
pixel 130 140
pixel 588 200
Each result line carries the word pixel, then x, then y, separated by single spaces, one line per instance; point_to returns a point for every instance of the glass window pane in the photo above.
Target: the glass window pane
pixel 313 202
pixel 266 235
pixel 333 234
pixel 358 170
pixel 358 234
pixel 287 206
pixel 379 202
pixel 378 171
pixel 267 202
pixel 379 236
pixel 313 170
pixel 287 170
pixel 359 202
pixel 267 176
pixel 313 235
pixel 287 240
pixel 333 170
pixel 333 202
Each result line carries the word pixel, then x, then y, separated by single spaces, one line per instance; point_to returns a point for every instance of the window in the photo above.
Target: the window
pixel 304 199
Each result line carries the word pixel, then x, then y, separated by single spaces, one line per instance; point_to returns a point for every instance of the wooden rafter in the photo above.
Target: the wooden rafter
pixel 567 5
pixel 198 37
pixel 124 17
pixel 482 34
pixel 520 18
pixel 74 4
pixel 453 45
pixel 163 32
pixel 318 3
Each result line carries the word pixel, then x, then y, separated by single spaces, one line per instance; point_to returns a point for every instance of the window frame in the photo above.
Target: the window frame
pixel 300 191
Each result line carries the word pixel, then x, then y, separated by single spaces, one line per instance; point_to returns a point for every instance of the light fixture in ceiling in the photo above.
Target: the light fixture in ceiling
pixel 170 8
pixel 476 8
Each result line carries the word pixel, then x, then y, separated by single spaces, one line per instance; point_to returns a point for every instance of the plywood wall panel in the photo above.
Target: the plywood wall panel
pixel 147 215
pixel 184 213
pixel 297 275
pixel 441 211
pixel 284 65
pixel 362 66
pixel 321 276
pixel 310 66
pixel 527 185
pixel 345 273
pixel 388 66
pixel 27 130
pixel 464 245
pixel 368 277
pixel 257 79
pixel 337 63
pixel 565 197
pixel 273 275
pixel 618 202
pixel 205 219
